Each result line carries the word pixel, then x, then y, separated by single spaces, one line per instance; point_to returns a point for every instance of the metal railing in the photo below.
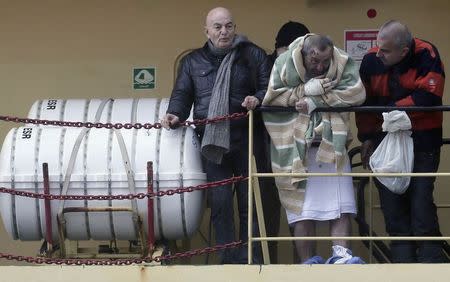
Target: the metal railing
pixel 252 176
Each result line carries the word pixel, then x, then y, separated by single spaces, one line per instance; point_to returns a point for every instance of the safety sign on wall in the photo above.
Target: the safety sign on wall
pixel 144 78
pixel 359 42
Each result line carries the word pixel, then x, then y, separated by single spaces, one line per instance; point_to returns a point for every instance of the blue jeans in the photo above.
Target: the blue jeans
pixel 414 214
pixel 234 163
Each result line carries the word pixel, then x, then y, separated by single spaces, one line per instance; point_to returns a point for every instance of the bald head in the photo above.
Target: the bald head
pixel 397 32
pixel 220 28
pixel 394 42
pixel 218 12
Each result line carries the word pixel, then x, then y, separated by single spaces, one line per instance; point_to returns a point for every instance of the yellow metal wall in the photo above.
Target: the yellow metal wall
pixel 226 273
pixel 87 49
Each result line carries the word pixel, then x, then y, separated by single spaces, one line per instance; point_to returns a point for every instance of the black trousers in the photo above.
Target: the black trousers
pixel 414 214
pixel 234 163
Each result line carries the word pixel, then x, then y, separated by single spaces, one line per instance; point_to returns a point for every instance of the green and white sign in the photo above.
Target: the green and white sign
pixel 144 78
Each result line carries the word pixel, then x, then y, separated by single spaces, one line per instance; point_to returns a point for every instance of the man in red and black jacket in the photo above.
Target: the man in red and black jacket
pixel 406 71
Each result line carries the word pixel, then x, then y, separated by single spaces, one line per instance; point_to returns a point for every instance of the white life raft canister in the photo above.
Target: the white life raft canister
pixel 101 161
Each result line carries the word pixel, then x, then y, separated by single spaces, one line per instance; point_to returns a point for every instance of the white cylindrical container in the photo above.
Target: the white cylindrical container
pixel 100 162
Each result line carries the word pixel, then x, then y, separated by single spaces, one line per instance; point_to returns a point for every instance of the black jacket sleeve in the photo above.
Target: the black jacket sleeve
pixel 263 68
pixel 183 92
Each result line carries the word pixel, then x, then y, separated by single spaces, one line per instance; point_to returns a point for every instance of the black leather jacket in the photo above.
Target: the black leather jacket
pixel 197 73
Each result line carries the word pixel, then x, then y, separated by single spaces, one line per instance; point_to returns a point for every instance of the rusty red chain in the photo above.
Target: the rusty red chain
pixel 168 192
pixel 121 261
pixel 109 125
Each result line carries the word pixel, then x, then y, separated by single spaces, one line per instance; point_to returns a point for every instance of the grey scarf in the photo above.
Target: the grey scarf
pixel 216 140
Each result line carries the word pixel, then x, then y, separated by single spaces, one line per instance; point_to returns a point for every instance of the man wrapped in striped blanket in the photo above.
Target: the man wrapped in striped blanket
pixel 313 73
pixel 293 132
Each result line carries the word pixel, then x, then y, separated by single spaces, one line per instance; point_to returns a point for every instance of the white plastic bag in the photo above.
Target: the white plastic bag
pixel 395 152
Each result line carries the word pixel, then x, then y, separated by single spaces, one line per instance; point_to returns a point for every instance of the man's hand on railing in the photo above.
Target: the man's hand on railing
pixel 302 106
pixel 250 102
pixel 170 121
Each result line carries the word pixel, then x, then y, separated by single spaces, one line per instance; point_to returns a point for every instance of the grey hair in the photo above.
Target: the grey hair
pixel 399 32
pixel 321 42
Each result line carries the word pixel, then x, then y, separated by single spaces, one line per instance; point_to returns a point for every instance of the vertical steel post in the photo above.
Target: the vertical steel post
pixel 250 187
pixel 48 209
pixel 150 221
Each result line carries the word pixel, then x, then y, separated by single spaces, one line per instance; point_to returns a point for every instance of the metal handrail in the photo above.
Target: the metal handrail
pixel 369 175
pixel 444 108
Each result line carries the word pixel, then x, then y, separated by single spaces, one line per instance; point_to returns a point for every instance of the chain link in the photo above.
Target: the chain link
pixel 156 125
pixel 168 192
pixel 121 261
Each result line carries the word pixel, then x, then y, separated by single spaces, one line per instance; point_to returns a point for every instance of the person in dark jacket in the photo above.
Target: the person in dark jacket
pixel 285 36
pixel 406 71
pixel 229 74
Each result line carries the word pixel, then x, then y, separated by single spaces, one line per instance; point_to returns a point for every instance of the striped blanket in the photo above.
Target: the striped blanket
pixel 292 133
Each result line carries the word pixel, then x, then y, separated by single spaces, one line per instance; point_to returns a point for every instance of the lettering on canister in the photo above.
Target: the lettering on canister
pixel 26 133
pixel 51 104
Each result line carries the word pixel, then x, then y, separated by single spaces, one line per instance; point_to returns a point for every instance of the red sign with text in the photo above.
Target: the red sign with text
pixel 359 42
